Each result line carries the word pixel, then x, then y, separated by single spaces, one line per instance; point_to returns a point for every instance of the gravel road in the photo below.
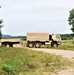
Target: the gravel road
pixel 64 53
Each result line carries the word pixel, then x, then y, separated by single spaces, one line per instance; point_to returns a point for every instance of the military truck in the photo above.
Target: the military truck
pixel 38 39
pixel 10 42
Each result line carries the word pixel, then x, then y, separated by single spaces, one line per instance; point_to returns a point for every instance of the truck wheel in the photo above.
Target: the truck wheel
pixel 37 45
pixel 7 45
pixel 54 45
pixel 11 45
pixel 51 44
pixel 30 45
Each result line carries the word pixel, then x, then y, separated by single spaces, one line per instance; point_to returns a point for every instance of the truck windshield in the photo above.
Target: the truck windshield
pixel 58 36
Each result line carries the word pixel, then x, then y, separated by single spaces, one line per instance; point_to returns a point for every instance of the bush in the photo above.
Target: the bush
pixel 7 68
pixel 73 42
pixel 64 38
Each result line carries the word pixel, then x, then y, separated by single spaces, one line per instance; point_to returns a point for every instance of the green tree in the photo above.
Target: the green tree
pixel 1 21
pixel 0 34
pixel 71 19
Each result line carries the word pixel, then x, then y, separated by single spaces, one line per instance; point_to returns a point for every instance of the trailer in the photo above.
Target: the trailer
pixel 35 39
pixel 10 42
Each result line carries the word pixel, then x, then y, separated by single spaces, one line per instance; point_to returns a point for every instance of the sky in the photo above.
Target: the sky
pixel 22 16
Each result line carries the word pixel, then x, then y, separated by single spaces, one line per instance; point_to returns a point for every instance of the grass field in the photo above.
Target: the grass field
pixel 66 45
pixel 22 61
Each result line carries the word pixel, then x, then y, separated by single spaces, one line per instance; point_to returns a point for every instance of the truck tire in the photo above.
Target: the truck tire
pixel 30 45
pixel 37 45
pixel 7 45
pixel 10 45
pixel 54 45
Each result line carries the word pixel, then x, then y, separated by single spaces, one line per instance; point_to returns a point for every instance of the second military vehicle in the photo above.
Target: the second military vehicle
pixel 10 42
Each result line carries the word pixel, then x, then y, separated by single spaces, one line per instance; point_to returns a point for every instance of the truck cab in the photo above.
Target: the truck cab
pixel 56 40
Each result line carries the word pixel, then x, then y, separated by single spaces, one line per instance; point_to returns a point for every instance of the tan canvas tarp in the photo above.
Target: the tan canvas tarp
pixel 37 36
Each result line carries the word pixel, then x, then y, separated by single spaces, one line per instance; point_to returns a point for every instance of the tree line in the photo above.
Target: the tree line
pixel 67 36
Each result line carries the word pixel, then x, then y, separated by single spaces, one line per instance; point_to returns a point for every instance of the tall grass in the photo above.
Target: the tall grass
pixel 18 61
pixel 66 45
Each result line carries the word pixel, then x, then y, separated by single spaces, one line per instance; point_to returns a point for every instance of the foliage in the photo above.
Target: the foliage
pixel 1 21
pixel 27 62
pixel 71 19
pixel 0 34
pixel 7 68
pixel 73 41
pixel 67 36
pixel 9 36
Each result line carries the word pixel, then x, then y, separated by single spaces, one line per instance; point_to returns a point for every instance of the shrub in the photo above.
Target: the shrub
pixel 7 68
pixel 73 42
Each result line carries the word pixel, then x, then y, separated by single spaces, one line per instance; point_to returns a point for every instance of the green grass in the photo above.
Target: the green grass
pixel 66 45
pixel 19 61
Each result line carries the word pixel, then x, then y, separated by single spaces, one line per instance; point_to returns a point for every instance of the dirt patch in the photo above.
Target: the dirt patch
pixel 69 71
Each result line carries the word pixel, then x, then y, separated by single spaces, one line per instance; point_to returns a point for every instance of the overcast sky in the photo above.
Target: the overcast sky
pixel 22 16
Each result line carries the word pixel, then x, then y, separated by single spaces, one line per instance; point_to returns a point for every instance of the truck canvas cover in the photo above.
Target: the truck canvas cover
pixel 37 36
